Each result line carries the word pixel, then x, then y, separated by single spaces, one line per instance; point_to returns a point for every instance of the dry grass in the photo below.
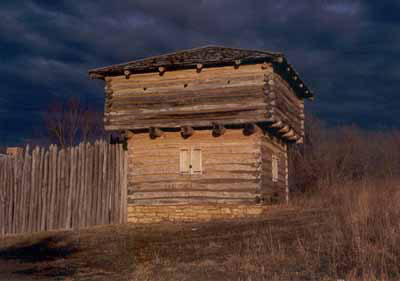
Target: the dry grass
pixel 349 232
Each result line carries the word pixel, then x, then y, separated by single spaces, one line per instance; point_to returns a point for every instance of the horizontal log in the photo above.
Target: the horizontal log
pixel 223 159
pixel 172 95
pixel 180 194
pixel 226 159
pixel 186 201
pixel 153 161
pixel 283 87
pixel 204 119
pixel 296 126
pixel 205 175
pixel 248 186
pixel 286 105
pixel 154 170
pixel 190 73
pixel 171 142
pixel 176 124
pixel 179 120
pixel 250 166
pixel 288 111
pixel 207 148
pixel 163 86
pixel 199 108
pixel 235 135
pixel 198 180
pixel 185 104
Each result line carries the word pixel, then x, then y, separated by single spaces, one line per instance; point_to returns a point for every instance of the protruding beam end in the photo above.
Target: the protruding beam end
pixel 155 132
pixel 161 70
pixel 127 73
pixel 186 131
pixel 249 129
pixel 218 130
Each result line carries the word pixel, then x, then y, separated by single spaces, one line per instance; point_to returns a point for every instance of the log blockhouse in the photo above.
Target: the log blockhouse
pixel 205 127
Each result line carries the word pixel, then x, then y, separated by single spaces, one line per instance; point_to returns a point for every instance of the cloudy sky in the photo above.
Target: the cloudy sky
pixel 348 52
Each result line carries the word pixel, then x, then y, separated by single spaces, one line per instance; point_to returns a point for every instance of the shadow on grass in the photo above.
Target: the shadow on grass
pixel 36 257
pixel 47 249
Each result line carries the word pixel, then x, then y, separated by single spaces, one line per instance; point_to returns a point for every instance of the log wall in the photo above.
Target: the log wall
pixel 274 192
pixel 231 169
pixel 228 95
pixel 286 106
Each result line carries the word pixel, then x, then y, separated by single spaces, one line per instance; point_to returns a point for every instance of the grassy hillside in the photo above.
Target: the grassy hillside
pixel 352 233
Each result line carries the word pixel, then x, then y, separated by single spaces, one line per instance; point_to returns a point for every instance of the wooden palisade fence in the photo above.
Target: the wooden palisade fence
pixel 63 188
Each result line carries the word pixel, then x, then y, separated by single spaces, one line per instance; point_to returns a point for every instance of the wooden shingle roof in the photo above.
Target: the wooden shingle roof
pixel 208 56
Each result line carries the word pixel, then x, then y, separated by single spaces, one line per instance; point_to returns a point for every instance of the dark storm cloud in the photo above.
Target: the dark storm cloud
pixel 347 51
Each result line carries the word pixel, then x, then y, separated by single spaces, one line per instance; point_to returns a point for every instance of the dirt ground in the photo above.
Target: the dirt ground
pixel 207 251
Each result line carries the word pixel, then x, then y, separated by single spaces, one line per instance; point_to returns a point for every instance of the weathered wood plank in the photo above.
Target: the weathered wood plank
pixel 82 198
pixel 125 189
pixel 58 188
pixel 190 193
pixel 180 78
pixel 54 152
pixel 95 182
pixel 105 186
pixel 2 195
pixel 194 186
pixel 7 202
pixel 177 124
pixel 86 195
pixel 206 72
pixel 78 200
pixel 41 179
pixel 71 188
pixel 163 86
pixel 45 190
pixel 190 200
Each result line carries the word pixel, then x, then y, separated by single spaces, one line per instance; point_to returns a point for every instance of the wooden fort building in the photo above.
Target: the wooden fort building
pixel 206 129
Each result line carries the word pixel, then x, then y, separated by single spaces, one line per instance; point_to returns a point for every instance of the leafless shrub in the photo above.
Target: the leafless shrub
pixel 68 123
pixel 338 155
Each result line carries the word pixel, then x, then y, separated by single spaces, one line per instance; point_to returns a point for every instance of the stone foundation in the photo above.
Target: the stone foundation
pixel 190 213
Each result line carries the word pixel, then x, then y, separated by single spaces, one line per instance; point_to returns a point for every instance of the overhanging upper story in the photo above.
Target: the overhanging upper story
pixel 205 87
